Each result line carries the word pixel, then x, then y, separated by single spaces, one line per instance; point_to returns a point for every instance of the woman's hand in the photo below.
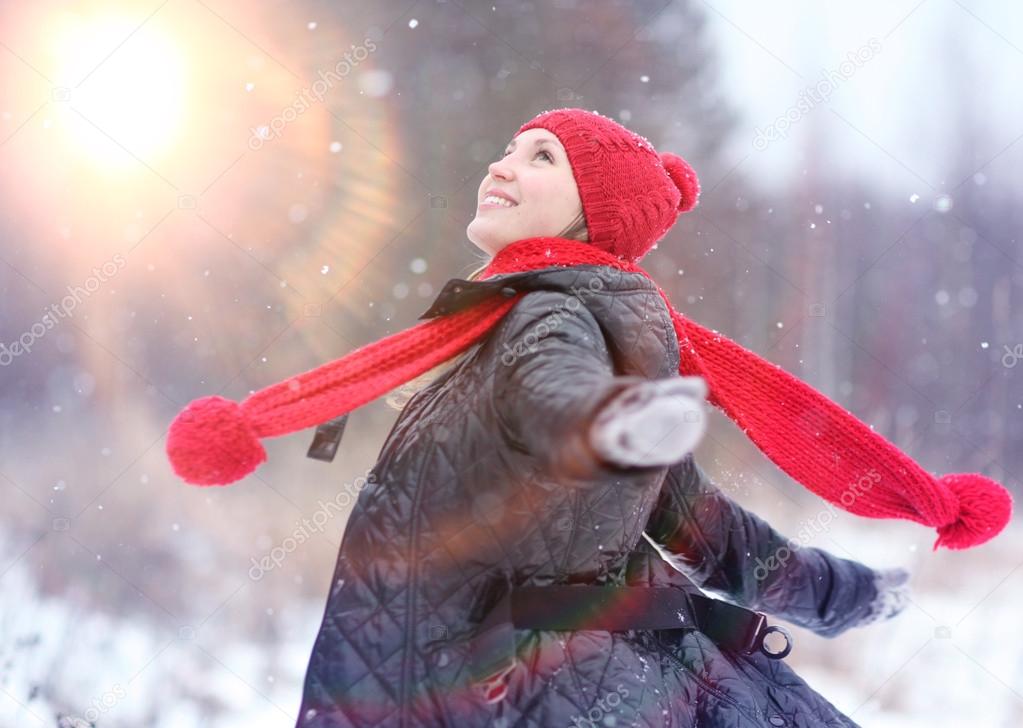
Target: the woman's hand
pixel 655 422
pixel 892 595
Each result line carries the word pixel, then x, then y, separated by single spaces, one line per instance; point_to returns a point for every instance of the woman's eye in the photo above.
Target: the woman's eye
pixel 550 157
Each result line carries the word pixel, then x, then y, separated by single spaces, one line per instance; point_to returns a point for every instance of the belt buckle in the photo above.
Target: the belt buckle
pixel 758 623
pixel 762 634
pixel 759 630
pixel 741 629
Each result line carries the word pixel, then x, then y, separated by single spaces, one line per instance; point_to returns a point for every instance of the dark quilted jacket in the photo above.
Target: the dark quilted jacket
pixel 487 476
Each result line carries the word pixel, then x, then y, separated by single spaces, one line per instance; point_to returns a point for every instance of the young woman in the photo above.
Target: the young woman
pixel 532 543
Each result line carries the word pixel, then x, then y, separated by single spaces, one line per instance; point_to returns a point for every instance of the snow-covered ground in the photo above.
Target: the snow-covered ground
pixel 56 659
pixel 952 658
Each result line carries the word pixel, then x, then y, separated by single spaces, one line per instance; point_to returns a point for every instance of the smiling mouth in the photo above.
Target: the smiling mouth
pixel 495 201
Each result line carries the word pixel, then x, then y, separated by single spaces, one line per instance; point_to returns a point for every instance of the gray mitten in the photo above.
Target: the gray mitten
pixel 656 422
pixel 892 595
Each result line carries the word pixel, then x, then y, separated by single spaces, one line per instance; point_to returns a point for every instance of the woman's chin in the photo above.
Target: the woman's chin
pixel 489 244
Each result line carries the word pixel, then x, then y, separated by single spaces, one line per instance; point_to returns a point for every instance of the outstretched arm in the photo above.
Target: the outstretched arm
pixel 553 376
pixel 726 549
pixel 556 395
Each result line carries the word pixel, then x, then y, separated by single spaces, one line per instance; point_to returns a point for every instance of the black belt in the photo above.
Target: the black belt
pixel 611 608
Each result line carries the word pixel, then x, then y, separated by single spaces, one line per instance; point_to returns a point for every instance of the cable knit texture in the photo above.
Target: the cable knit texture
pixel 625 192
pixel 631 195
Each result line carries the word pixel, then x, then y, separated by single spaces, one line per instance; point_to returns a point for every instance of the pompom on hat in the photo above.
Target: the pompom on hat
pixel 631 197
pixel 631 194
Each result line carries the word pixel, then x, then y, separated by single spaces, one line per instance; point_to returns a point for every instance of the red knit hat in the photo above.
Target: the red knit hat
pixel 818 443
pixel 631 195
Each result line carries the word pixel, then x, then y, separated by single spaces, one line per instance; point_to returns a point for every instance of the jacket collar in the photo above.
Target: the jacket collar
pixel 458 293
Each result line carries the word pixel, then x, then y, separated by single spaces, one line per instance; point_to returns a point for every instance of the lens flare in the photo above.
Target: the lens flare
pixel 127 85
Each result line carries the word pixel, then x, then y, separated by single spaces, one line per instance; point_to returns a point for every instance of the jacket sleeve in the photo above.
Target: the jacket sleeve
pixel 726 549
pixel 553 374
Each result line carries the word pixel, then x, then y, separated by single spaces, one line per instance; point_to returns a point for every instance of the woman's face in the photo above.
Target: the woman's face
pixel 535 175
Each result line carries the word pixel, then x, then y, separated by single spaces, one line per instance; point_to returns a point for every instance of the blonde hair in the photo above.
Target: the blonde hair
pixel 400 395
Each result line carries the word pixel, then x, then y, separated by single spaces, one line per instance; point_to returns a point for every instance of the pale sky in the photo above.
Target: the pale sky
pixel 901 99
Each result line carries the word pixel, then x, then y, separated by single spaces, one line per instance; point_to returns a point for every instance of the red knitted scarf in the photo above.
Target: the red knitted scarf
pixel 814 440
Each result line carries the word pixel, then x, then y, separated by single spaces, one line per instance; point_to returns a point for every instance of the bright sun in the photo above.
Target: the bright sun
pixel 129 85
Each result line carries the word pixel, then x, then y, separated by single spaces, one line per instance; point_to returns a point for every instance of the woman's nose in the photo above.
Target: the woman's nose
pixel 499 168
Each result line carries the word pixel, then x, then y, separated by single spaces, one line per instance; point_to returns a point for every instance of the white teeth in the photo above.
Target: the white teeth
pixel 494 199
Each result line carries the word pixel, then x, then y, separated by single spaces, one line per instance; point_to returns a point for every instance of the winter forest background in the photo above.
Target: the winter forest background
pixel 210 219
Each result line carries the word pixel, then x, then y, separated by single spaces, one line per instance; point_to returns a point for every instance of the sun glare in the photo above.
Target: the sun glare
pixel 129 87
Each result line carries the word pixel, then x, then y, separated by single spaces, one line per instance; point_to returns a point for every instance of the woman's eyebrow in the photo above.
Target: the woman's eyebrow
pixel 536 143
